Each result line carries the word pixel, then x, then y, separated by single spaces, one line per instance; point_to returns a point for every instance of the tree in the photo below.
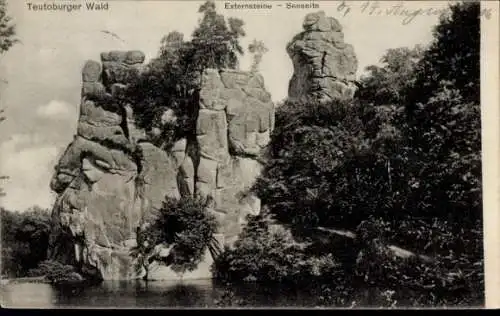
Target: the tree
pixel 24 239
pixel 215 43
pixel 7 29
pixel 337 162
pixel 7 40
pixel 173 79
pixel 443 125
pixel 56 272
pixel 268 255
pixel 257 48
pixel 166 85
pixel 328 164
pixel 390 83
pixel 182 225
pixel 453 56
pixel 406 171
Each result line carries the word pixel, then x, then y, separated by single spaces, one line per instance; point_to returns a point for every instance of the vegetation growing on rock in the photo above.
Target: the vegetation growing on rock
pixel 173 79
pixel 56 272
pixel 267 252
pixel 141 138
pixel 181 226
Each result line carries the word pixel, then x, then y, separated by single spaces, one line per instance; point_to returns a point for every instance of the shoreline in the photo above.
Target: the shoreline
pixel 40 279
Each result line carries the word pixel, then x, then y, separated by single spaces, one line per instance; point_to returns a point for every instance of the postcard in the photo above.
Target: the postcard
pixel 249 154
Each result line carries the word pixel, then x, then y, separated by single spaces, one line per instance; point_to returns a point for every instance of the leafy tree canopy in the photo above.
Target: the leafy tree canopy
pixel 186 227
pixel 453 57
pixel 172 80
pixel 390 83
pixel 7 29
pixel 334 164
pixel 25 238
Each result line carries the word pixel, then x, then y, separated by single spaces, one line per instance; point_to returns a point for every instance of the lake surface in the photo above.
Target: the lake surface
pixel 139 294
pixel 184 294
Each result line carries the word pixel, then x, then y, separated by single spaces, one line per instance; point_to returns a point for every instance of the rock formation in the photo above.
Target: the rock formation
pixel 94 214
pixel 235 120
pixel 112 175
pixel 324 65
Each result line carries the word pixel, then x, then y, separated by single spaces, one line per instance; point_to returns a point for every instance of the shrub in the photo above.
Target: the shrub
pixel 453 277
pixel 186 227
pixel 56 272
pixel 267 253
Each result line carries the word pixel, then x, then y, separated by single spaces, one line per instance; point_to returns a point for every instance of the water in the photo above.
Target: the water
pixel 192 293
pixel 126 294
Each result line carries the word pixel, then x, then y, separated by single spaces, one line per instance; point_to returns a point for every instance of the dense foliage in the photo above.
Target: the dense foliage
pixel 453 56
pixel 185 228
pixel 391 83
pixel 171 81
pixel 25 237
pixel 453 276
pixel 268 252
pixel 326 160
pixel 400 165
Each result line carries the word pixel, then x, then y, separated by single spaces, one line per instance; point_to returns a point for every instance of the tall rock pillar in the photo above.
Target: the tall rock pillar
pixel 324 65
pixel 235 120
pixel 94 218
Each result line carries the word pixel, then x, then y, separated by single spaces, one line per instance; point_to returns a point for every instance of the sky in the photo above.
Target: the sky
pixel 41 76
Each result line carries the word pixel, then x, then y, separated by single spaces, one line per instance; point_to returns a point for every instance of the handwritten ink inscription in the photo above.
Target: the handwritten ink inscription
pixel 389 8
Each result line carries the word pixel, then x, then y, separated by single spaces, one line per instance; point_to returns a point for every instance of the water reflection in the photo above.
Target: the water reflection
pixel 126 294
pixel 109 294
pixel 27 295
pixel 174 294
pixel 140 294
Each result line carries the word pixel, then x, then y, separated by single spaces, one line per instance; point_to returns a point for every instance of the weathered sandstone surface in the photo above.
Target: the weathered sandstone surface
pixel 324 65
pixel 233 130
pixel 111 176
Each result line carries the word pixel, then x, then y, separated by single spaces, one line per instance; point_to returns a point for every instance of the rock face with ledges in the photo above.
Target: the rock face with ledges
pixel 324 65
pixel 96 209
pixel 112 176
pixel 233 130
